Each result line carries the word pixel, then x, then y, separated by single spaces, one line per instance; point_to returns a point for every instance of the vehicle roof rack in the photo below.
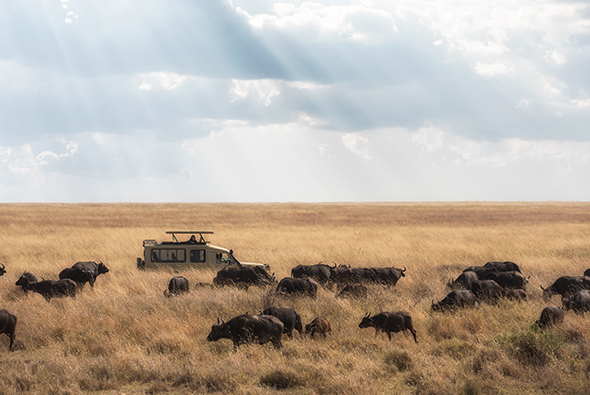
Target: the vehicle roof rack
pixel 192 232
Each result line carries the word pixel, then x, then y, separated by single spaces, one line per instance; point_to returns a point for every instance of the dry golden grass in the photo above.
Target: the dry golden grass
pixel 125 337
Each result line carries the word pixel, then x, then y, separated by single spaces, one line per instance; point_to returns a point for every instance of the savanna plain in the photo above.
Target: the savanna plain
pixel 125 337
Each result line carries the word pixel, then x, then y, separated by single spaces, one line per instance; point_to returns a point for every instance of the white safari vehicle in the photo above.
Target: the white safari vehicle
pixel 195 252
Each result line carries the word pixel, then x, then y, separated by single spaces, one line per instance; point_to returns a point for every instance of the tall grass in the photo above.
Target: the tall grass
pixel 126 337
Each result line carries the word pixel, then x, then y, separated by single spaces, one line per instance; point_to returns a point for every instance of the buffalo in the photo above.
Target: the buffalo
pixel 297 286
pixel 389 275
pixel 80 277
pixel 551 315
pixel 2 269
pixel 515 294
pixel 507 279
pixel 246 328
pixel 457 298
pixel 288 316
pixel 492 267
pixel 319 272
pixel 356 290
pixel 49 288
pixel 8 325
pixel 386 275
pixel 243 277
pixel 26 279
pixel 177 285
pixel 93 268
pixel 464 280
pixel 389 322
pixel 319 325
pixel 566 286
pixel 580 302
pixel 487 290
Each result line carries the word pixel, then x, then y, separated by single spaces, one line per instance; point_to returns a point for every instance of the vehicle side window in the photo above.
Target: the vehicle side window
pixel 197 255
pixel 168 255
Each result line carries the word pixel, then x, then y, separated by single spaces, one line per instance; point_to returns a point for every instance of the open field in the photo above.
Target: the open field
pixel 126 337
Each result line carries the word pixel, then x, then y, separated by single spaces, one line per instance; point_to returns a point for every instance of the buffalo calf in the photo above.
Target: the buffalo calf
pixel 389 322
pixel 551 315
pixel 580 302
pixel 177 285
pixel 356 290
pixel 318 325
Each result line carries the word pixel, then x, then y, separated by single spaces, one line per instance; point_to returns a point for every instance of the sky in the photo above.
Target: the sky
pixel 301 101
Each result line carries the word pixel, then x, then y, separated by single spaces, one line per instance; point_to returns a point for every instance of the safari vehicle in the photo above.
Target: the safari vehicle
pixel 196 252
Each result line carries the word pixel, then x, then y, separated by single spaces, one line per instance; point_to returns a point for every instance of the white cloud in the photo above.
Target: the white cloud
pixel 265 90
pixel 357 144
pixel 492 69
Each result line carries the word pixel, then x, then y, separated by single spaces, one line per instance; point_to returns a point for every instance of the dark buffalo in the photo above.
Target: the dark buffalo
pixel 508 279
pixel 177 285
pixel 356 290
pixel 8 325
pixel 457 298
pixel 95 269
pixel 297 286
pixel 389 322
pixel 49 288
pixel 389 275
pixel 515 294
pixel 26 279
pixel 551 315
pixel 288 316
pixel 351 275
pixel 503 266
pixel 464 280
pixel 248 328
pixel 2 269
pixel 486 290
pixel 243 277
pixel 77 275
pixel 580 302
pixel 566 286
pixel 320 272
pixel 493 267
pixel 319 325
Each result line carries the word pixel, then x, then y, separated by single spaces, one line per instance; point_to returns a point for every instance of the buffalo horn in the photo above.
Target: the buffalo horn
pixel 404 269
pixel 541 287
pixel 3 267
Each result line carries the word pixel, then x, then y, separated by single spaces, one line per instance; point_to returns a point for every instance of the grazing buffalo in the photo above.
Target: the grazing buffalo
pixel 320 272
pixel 389 322
pixel 318 325
pixel 356 290
pixel 384 275
pixel 177 285
pixel 508 279
pixel 243 277
pixel 49 288
pixel 80 277
pixel 493 267
pixel 580 302
pixel 8 325
pixel 457 298
pixel 515 294
pixel 246 328
pixel 464 280
pixel 297 286
pixel 95 269
pixel 2 269
pixel 566 286
pixel 551 315
pixel 288 316
pixel 26 279
pixel 487 290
